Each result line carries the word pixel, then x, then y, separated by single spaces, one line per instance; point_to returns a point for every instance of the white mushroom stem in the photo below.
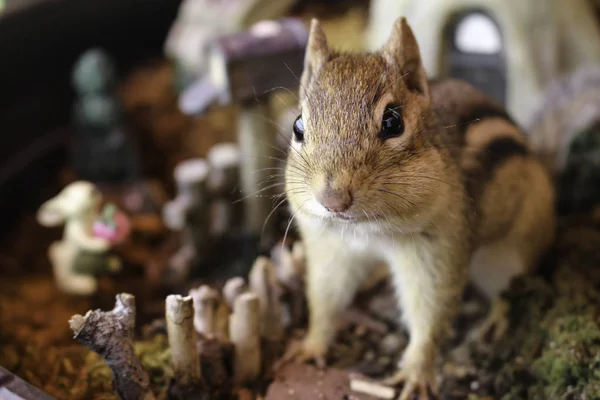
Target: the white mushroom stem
pixel 288 270
pixel 232 289
pixel 222 320
pixel 182 340
pixel 224 161
pixel 220 217
pixel 263 282
pixel 206 302
pixel 257 142
pixel 244 333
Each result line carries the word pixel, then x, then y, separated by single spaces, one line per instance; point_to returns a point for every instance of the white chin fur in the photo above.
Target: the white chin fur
pixel 312 206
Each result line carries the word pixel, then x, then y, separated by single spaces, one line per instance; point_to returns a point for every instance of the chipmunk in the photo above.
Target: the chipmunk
pixel 432 178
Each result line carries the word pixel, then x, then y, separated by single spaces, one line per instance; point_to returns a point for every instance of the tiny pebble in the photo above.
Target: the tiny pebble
pixel 391 344
pixel 474 385
pixel 519 360
pixel 471 308
pixel 384 360
pixel 360 331
pixel 369 356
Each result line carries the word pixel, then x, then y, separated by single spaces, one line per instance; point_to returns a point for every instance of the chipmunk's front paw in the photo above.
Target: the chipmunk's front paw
pixel 416 379
pixel 304 351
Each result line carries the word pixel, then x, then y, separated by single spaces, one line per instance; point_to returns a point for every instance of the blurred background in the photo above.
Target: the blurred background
pixel 158 47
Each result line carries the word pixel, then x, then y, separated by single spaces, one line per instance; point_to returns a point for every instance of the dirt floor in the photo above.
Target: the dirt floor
pixel 550 351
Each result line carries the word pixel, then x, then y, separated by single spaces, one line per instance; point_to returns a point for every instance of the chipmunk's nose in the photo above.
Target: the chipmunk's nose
pixel 334 200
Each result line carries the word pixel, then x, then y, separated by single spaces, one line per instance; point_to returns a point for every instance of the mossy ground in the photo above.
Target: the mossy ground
pixel 553 348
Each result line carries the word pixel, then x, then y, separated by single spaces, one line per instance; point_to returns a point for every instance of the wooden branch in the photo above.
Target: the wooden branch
pixel 245 335
pixel 263 282
pixel 110 334
pixel 182 340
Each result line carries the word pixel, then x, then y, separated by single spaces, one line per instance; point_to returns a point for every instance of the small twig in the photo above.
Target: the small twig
pixel 372 389
pixel 110 334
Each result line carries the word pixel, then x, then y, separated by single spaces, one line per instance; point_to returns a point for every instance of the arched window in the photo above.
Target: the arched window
pixel 475 53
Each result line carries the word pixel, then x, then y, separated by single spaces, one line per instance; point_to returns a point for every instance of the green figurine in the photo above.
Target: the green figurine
pixel 101 152
pixel 580 179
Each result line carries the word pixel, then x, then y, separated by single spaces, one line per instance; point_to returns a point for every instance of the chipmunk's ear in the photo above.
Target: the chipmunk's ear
pixel 317 52
pixel 402 51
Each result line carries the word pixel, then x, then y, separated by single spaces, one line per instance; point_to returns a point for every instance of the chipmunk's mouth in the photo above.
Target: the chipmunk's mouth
pixel 316 209
pixel 344 217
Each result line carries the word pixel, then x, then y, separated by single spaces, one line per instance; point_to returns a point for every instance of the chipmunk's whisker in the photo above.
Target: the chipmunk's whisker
pixel 271 213
pixel 292 219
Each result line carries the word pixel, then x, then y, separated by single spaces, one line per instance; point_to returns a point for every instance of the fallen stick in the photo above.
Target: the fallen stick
pixel 372 389
pixel 182 341
pixel 110 334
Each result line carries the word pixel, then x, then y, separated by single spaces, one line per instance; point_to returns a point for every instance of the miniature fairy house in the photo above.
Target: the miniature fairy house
pixel 511 49
pixel 248 68
pixel 200 21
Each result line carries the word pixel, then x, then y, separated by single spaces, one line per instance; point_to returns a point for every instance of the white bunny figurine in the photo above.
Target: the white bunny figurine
pixel 80 255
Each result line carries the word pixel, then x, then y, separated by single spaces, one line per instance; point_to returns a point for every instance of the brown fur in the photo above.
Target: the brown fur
pixel 459 186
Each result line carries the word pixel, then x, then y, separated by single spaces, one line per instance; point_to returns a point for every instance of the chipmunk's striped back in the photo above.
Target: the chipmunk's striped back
pixel 511 191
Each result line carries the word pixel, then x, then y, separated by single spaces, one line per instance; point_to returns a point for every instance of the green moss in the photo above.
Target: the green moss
pixel 553 349
pixel 155 356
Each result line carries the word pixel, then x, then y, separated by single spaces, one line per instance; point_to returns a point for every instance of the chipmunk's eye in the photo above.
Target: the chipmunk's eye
pixel 392 124
pixel 299 129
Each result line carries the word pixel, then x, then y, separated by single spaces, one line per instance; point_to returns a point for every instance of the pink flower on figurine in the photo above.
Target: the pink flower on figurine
pixel 113 225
